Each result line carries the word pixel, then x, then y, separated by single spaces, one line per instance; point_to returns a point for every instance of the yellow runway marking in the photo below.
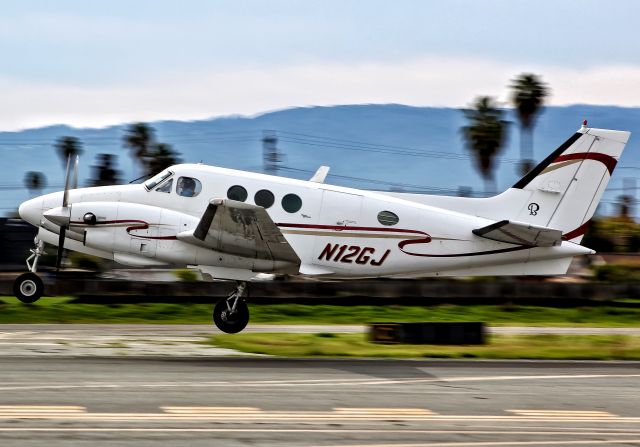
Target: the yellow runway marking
pixel 563 413
pixel 319 430
pixel 210 410
pixel 40 409
pixel 385 411
pixel 354 414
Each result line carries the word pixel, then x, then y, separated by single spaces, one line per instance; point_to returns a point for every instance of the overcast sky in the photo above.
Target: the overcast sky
pixel 96 63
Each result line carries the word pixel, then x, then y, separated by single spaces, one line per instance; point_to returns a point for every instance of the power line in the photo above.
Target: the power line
pixel 374 147
pixel 286 136
pixel 413 187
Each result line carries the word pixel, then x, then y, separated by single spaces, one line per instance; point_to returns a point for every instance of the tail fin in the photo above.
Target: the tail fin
pixel 566 187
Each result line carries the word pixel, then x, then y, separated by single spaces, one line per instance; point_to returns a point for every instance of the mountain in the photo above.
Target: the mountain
pixel 394 146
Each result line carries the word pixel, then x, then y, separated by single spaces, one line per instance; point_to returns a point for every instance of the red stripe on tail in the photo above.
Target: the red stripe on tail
pixel 605 159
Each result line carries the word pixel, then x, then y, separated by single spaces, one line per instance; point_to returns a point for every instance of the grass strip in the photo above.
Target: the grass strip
pixel 63 310
pixel 558 347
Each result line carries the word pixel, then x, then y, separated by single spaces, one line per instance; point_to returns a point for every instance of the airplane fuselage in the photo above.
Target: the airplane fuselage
pixel 335 231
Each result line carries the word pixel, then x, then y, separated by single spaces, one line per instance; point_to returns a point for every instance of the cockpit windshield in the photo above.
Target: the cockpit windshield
pixel 153 181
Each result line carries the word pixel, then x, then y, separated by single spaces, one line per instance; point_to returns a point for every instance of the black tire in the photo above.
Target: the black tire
pixel 231 323
pixel 28 288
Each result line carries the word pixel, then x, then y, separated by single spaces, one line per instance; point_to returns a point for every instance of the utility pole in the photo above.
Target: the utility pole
pixel 629 191
pixel 270 155
pixel 465 191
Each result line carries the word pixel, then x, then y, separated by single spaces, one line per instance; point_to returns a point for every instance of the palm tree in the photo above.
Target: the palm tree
pixel 528 94
pixel 484 136
pixel 139 139
pixel 105 172
pixel 35 181
pixel 161 157
pixel 68 146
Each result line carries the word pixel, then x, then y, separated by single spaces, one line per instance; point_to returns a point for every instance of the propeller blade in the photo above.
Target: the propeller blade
pixel 63 230
pixel 74 185
pixel 65 197
pixel 62 215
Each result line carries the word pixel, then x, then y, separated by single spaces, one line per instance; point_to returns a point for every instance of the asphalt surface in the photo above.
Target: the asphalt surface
pixel 89 401
pixel 145 385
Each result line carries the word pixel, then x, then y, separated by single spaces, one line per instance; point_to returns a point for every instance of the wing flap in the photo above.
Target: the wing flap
pixel 245 230
pixel 520 233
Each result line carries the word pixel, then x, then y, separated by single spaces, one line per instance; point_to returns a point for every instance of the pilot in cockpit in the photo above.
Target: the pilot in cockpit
pixel 186 187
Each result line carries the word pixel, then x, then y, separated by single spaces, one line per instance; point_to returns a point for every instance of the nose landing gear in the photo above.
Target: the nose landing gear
pixel 231 314
pixel 28 287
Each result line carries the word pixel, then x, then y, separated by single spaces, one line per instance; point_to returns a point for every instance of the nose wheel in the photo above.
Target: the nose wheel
pixel 28 287
pixel 231 315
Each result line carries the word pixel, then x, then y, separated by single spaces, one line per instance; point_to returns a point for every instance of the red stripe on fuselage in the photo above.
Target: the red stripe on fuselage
pixel 347 227
pixel 570 235
pixel 403 244
pixel 140 225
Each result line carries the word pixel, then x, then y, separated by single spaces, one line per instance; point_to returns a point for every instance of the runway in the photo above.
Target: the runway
pixel 62 401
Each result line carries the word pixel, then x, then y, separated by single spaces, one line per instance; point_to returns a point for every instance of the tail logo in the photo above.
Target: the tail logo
pixel 533 209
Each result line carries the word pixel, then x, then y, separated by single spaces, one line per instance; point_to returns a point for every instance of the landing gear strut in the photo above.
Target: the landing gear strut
pixel 231 314
pixel 28 287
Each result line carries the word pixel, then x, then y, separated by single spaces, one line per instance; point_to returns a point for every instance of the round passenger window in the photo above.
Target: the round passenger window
pixel 264 198
pixel 238 193
pixel 387 218
pixel 291 203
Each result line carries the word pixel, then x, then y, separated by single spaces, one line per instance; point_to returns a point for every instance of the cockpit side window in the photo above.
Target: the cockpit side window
pixel 156 180
pixel 188 187
pixel 166 187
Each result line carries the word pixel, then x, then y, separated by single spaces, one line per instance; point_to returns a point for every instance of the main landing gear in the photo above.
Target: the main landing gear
pixel 231 314
pixel 28 287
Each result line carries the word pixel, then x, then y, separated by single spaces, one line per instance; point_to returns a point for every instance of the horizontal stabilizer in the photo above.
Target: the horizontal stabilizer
pixel 520 233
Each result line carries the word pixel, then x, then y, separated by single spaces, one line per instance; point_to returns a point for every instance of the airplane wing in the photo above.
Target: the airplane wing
pixel 242 229
pixel 520 233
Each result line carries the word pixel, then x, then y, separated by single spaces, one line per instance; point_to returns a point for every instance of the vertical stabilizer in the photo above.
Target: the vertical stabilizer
pixel 566 187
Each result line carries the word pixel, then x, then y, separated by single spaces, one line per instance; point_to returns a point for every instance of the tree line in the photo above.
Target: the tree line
pixel 149 156
pixel 484 136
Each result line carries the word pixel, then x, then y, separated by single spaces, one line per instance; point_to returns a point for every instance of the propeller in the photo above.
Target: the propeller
pixel 61 215
pixel 75 173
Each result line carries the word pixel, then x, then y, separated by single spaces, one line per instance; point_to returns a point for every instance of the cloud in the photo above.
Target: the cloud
pixel 452 82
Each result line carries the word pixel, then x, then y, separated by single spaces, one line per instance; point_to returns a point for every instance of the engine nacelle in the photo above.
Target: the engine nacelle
pixel 127 227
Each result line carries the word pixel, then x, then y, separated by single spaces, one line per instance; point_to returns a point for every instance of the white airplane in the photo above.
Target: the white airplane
pixel 237 225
